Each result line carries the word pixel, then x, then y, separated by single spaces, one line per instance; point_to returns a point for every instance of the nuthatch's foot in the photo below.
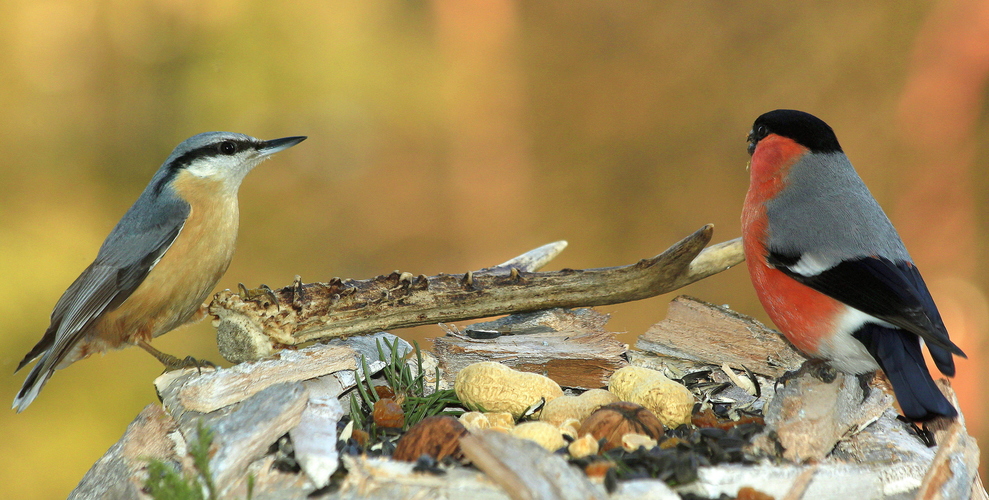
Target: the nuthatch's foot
pixel 187 362
pixel 263 291
pixel 173 363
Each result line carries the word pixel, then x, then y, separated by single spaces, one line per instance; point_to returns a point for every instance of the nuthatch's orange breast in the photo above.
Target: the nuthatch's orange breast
pixel 185 275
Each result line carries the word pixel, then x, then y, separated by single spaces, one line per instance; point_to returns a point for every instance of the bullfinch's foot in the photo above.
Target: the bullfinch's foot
pixel 817 368
pixel 255 294
pixel 925 435
pixel 864 380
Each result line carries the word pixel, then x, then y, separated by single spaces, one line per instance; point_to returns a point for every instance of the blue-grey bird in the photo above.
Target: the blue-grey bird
pixel 159 263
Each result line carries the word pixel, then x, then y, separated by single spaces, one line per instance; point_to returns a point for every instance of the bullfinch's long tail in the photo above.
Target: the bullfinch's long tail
pixel 899 355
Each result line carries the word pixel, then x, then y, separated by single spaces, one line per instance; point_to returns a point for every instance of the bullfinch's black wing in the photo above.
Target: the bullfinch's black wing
pixel 891 291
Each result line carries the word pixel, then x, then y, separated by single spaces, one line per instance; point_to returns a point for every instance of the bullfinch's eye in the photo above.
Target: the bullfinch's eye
pixel 228 147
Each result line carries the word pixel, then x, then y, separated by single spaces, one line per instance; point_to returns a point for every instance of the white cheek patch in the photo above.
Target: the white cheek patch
pixel 231 170
pixel 843 350
pixel 811 265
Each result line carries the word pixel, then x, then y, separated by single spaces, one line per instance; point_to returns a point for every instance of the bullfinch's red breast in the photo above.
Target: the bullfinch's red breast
pixel 830 269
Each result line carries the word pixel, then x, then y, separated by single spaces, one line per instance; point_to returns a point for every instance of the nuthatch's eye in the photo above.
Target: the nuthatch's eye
pixel 228 147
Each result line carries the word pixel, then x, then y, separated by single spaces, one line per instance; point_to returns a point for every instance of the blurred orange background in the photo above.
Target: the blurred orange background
pixel 453 135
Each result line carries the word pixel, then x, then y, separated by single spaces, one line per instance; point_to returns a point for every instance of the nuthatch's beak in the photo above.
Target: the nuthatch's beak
pixel 273 146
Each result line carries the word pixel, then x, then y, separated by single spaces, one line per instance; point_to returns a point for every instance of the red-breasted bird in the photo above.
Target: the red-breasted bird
pixel 830 269
pixel 159 263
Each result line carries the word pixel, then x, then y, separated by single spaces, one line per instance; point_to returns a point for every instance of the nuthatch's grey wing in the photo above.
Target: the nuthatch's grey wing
pixel 129 253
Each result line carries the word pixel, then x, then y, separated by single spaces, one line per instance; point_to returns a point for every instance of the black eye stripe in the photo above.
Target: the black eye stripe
pixel 211 149
pixel 214 149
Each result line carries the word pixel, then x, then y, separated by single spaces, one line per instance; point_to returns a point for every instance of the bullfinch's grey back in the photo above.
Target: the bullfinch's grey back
pixel 830 269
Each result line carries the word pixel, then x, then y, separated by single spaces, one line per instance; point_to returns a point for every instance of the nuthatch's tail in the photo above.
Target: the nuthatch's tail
pixel 36 379
pixel 48 357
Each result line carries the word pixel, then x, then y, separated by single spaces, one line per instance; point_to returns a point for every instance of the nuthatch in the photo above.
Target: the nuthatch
pixel 159 263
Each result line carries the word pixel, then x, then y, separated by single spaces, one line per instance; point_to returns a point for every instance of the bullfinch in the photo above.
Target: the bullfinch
pixel 830 269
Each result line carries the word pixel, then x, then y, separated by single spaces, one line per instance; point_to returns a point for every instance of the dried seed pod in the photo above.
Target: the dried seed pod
pixel 547 435
pixel 495 387
pixel 388 413
pixel 632 442
pixel 501 421
pixel 598 469
pixel 570 428
pixel 475 421
pixel 437 437
pixel 671 402
pixel 360 437
pixel 384 391
pixel 750 493
pixel 707 418
pixel 583 447
pixel 563 408
pixel 613 421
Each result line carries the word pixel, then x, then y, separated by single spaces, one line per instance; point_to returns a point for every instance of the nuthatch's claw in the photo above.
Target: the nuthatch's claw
pixel 188 362
pixel 298 292
pixel 262 291
pixel 173 363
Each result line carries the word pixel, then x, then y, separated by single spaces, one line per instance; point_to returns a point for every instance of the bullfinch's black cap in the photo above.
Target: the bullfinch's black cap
pixel 804 128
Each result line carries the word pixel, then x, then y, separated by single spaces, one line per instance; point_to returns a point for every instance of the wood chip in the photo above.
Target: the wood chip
pixel 246 433
pixel 698 331
pixel 525 470
pixel 570 346
pixel 215 389
pixel 119 473
pixel 315 438
pixel 810 416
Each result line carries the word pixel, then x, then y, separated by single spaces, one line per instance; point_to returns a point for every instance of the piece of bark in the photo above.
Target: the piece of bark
pixel 315 438
pixel 248 329
pixel 887 447
pixel 884 460
pixel 207 390
pixel 272 483
pixel 251 427
pixel 369 477
pixel 809 416
pixel 639 489
pixel 830 481
pixel 698 331
pixel 525 470
pixel 953 473
pixel 121 472
pixel 569 346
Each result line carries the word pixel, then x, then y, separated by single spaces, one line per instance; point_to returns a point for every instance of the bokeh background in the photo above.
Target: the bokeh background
pixel 452 135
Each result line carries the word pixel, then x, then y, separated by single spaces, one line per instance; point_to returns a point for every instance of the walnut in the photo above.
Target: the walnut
pixel 613 421
pixel 437 437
